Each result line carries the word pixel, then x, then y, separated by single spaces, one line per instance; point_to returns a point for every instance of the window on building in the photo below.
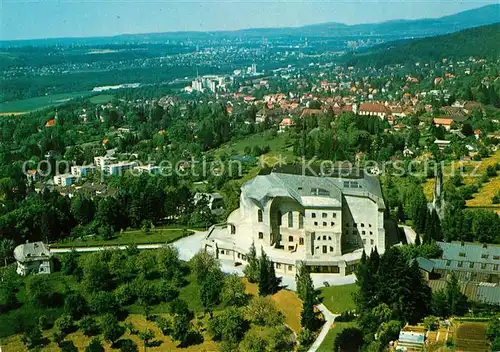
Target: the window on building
pixel 315 223
pixel 364 240
pixel 471 265
pixel 301 241
pixel 279 218
pixel 369 225
pixel 362 225
pixel 363 232
pixel 332 224
pixel 460 264
pixel 495 267
pixel 233 229
pixel 346 224
pixel 239 255
pixel 331 249
pixel 496 257
pixel 301 221
pixel 461 254
pixel 290 238
pixel 324 238
pixel 290 267
pixel 259 215
pixel 313 215
pixel 221 251
pixel 261 235
pixel 291 248
pixel 371 233
pixel 329 238
pixel 324 223
pixel 448 262
pixel 354 224
pixel 324 215
pixel 324 249
pixel 334 215
pixel 278 266
pixel 484 256
pixel 483 266
pixel 290 219
pixel 372 242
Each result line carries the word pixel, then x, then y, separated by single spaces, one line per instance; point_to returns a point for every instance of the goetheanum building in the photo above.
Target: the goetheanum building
pixel 325 221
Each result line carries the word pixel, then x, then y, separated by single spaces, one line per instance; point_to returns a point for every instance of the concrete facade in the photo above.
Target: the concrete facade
pixel 326 222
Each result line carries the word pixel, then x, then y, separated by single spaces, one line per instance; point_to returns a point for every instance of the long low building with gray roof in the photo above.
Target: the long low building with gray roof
pixel 294 215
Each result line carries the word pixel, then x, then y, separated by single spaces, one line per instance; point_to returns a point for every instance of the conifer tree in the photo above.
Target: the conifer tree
pixel 272 281
pixel 264 274
pixel 417 240
pixel 251 271
pixel 303 279
pixel 307 316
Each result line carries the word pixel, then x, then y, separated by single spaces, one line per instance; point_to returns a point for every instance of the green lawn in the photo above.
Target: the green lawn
pixel 278 145
pixel 27 105
pixel 327 345
pixel 338 299
pixel 161 235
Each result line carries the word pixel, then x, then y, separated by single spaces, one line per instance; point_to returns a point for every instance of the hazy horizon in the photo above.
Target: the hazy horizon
pixel 25 19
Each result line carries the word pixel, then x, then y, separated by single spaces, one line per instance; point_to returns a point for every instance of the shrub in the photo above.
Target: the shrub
pixel 65 324
pixel 305 337
pixel 431 323
pixel 89 326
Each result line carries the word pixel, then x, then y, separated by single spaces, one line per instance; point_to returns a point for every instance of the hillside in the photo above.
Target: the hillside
pixel 476 42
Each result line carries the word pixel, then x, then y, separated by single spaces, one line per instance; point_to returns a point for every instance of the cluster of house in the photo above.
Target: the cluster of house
pixel 107 165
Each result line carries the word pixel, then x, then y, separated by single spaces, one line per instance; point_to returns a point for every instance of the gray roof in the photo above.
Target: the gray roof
pixel 298 186
pixel 425 264
pixel 470 252
pixel 31 251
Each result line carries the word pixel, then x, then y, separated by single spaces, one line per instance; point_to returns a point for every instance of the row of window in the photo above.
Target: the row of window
pixel 372 242
pixel 325 249
pixel 472 264
pixel 483 256
pixel 354 224
pixel 324 224
pixel 323 215
pixel 278 266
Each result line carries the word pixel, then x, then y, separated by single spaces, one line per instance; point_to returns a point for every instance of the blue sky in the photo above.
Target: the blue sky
pixel 27 19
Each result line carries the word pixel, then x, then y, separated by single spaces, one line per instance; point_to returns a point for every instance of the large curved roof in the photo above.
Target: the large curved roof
pixel 31 251
pixel 311 191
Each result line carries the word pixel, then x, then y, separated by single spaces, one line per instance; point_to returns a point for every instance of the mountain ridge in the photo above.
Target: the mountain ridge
pixel 398 28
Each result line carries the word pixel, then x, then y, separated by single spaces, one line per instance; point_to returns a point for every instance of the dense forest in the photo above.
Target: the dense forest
pixel 475 42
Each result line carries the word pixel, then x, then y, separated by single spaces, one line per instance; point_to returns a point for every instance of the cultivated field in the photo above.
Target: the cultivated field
pixel 471 337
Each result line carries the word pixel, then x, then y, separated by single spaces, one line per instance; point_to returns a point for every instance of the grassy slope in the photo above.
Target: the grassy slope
pixel 338 299
pixel 26 105
pixel 127 237
pixel 486 192
pixel 286 301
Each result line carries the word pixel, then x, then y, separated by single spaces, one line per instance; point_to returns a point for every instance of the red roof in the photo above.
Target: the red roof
pixel 51 123
pixel 373 107
pixel 310 112
pixel 443 121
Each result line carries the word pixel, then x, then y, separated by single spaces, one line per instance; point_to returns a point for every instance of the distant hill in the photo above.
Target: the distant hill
pixel 391 30
pixel 475 42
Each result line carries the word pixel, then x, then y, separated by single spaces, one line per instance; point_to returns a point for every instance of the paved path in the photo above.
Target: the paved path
pixel 187 246
pixel 329 319
pixel 410 234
